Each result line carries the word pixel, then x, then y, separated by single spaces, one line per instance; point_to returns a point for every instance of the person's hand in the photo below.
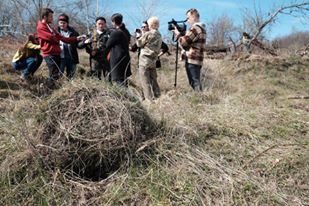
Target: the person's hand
pixel 138 34
pixel 81 37
pixel 182 55
pixel 87 41
pixel 176 32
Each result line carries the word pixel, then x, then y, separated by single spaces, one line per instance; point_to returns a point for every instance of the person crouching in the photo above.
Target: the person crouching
pixel 27 59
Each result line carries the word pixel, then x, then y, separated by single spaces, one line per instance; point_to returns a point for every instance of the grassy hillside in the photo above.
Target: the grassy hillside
pixel 242 141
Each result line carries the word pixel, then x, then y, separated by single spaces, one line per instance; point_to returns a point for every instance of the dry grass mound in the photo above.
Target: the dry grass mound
pixel 89 130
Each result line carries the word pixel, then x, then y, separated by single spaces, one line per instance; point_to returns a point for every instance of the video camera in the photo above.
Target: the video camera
pixel 180 25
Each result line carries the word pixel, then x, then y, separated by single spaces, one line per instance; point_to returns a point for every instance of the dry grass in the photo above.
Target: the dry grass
pixel 244 122
pixel 90 126
pixel 241 141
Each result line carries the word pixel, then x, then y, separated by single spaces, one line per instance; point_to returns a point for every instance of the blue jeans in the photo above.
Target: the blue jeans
pixel 70 67
pixel 194 76
pixel 53 64
pixel 28 66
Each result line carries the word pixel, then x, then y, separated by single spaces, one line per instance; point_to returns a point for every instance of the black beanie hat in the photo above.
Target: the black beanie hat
pixel 63 17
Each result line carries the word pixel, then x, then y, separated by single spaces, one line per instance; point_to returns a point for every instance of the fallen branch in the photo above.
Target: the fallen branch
pixel 216 49
pixel 270 148
pixel 299 97
pixel 266 49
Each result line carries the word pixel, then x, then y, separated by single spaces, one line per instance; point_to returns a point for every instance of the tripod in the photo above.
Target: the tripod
pixel 176 63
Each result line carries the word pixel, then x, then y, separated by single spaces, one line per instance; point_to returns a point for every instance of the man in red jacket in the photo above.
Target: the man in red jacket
pixel 50 44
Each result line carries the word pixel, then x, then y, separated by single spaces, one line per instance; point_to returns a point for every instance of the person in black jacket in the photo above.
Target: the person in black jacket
pixel 96 48
pixel 164 50
pixel 118 47
pixel 69 55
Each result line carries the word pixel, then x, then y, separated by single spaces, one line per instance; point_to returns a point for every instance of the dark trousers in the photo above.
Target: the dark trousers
pixel 53 64
pixel 194 76
pixel 69 65
pixel 121 82
pixel 99 67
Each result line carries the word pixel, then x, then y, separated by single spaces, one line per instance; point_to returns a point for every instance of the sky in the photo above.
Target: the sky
pixel 208 9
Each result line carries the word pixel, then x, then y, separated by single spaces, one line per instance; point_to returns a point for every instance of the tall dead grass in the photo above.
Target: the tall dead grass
pixel 239 142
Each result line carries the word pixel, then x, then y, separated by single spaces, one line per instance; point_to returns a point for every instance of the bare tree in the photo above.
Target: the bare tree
pixel 146 9
pixel 86 11
pixel 221 31
pixel 5 17
pixel 21 16
pixel 26 13
pixel 252 19
pixel 294 8
pixel 295 40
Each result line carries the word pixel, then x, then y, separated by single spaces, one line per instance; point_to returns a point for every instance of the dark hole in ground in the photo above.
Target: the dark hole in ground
pixel 97 168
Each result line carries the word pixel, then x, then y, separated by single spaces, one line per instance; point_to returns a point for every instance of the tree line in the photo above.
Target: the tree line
pixel 19 17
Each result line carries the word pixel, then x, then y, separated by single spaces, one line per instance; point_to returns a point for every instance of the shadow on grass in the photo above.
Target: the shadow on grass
pixel 9 85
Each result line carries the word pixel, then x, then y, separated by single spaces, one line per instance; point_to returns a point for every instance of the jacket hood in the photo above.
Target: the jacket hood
pixel 201 24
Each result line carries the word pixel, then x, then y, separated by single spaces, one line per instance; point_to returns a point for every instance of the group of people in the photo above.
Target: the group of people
pixel 108 51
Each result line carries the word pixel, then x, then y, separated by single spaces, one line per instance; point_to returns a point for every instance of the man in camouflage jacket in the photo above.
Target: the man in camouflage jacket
pixel 150 44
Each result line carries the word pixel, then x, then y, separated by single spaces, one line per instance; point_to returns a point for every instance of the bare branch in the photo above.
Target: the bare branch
pixel 298 7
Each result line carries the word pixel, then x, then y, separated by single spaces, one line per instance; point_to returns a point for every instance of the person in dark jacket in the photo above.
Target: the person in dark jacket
pixel 69 55
pixel 118 47
pixel 50 44
pixel 164 50
pixel 96 48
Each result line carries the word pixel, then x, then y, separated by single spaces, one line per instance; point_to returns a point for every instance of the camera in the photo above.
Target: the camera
pixel 138 33
pixel 180 25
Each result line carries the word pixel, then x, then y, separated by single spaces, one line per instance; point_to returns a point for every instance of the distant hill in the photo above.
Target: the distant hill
pixel 295 40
